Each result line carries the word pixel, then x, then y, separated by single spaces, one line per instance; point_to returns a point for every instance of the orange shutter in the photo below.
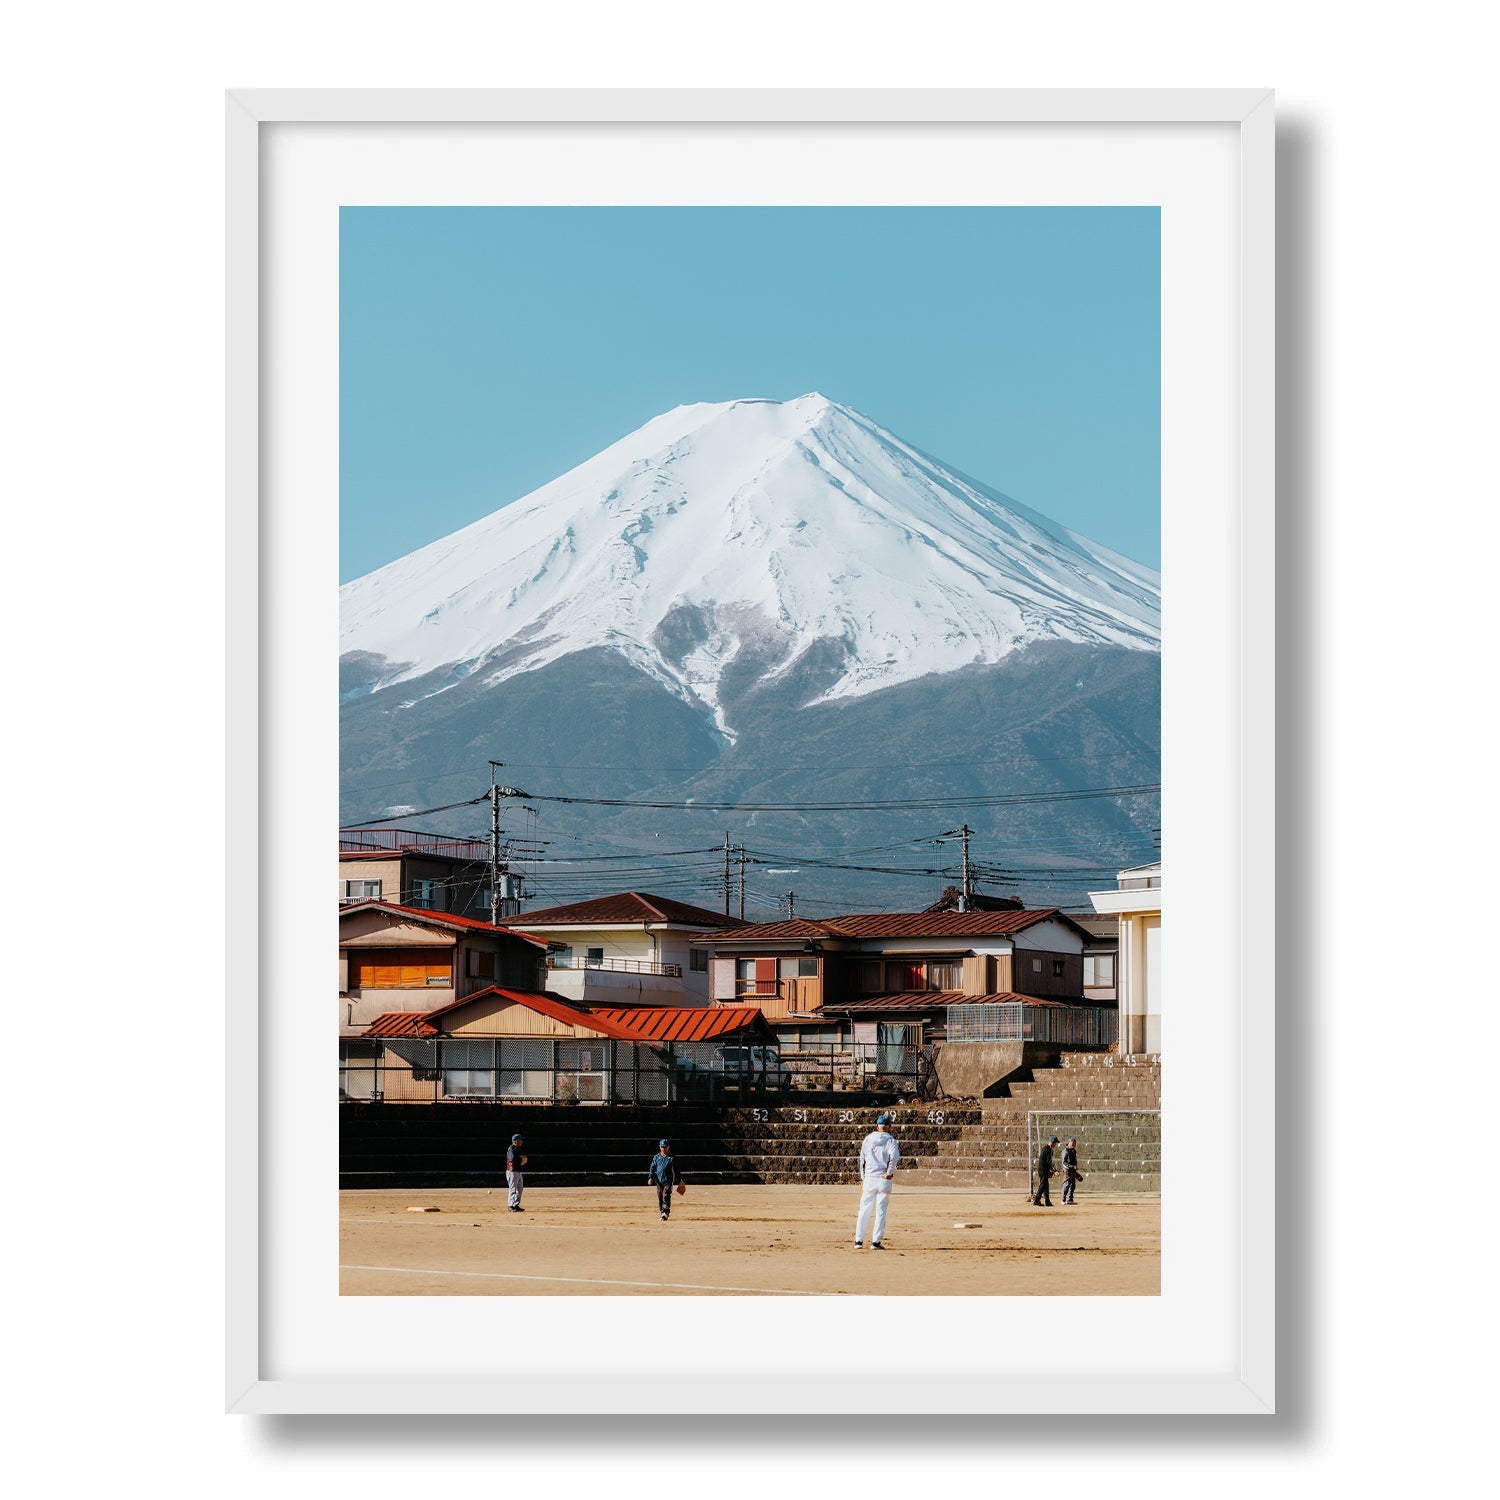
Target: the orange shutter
pixel 404 968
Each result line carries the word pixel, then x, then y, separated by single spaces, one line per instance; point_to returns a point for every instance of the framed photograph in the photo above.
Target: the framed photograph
pixel 646 233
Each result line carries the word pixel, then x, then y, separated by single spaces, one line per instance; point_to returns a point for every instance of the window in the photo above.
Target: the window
pixel 945 975
pixel 755 976
pixel 810 1038
pixel 594 958
pixel 468 1067
pixel 428 894
pixel 905 976
pixel 400 968
pixel 359 890
pixel 1057 968
pixel 481 964
pixel 807 968
pixel 698 960
pixel 871 978
pixel 1098 971
pixel 1036 966
pixel 361 1070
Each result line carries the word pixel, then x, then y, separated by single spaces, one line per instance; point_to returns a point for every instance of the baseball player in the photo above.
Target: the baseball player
pixel 878 1155
pixel 664 1175
pixel 1045 1172
pixel 514 1162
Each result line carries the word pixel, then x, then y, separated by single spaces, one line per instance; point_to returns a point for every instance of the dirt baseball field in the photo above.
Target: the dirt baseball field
pixel 742 1241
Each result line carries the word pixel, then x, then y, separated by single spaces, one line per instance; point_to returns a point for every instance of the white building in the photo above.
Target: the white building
pixel 1136 901
pixel 626 949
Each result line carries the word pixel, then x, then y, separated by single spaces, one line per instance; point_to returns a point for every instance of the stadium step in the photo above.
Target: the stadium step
pixel 1112 1107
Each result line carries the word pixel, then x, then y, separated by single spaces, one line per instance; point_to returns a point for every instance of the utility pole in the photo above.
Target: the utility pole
pixel 495 843
pixel 968 890
pixel 726 872
pixel 742 862
pixel 497 864
pixel 791 904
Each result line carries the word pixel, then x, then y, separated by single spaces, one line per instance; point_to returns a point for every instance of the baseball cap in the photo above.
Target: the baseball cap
pixel 1053 1141
pixel 662 1145
pixel 515 1137
pixel 883 1120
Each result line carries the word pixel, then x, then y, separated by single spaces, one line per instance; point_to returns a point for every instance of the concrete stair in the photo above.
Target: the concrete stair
pixel 947 1143
pixel 1110 1104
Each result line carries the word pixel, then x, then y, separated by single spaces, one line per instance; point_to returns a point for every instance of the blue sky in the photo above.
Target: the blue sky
pixel 484 351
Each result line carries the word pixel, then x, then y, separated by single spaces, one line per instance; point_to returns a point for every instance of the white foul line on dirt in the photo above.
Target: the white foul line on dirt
pixel 665 1286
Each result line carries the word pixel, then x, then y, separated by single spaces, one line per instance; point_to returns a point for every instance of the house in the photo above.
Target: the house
pixel 1136 904
pixel 505 1043
pixel 429 871
pixel 626 949
pixel 425 960
pixel 1100 957
pixel 891 979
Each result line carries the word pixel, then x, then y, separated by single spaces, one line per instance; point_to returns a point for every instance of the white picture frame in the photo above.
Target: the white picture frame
pixel 285 153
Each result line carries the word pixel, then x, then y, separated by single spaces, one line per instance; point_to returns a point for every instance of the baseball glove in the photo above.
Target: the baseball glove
pixel 681 1188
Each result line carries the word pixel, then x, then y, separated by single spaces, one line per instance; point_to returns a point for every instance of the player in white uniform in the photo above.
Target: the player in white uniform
pixel 878 1155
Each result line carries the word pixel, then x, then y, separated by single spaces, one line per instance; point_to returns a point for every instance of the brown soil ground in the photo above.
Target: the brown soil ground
pixel 743 1241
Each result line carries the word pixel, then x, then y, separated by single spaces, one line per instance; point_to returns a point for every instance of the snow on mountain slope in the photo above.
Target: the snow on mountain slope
pixel 749 526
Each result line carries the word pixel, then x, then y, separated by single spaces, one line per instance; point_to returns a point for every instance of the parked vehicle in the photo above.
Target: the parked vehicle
pixel 763 1064
pixel 735 1063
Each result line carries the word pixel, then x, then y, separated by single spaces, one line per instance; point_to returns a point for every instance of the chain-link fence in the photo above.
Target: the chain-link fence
pixel 602 1071
pixel 1015 1021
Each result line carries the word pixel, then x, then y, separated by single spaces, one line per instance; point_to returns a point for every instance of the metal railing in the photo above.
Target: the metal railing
pixel 397 840
pixel 558 1071
pixel 1015 1021
pixel 614 965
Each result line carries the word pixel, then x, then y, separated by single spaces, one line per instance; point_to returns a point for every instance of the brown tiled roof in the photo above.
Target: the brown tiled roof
pixel 914 1000
pixel 627 906
pixel 900 924
pixel 795 928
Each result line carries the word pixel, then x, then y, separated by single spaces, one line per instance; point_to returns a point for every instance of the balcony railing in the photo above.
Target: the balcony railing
pixel 614 965
pixel 411 841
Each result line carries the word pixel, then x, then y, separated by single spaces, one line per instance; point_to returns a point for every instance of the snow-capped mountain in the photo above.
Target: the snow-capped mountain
pixel 746 531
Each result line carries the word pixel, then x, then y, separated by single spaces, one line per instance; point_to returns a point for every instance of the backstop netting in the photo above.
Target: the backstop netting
pixel 1119 1150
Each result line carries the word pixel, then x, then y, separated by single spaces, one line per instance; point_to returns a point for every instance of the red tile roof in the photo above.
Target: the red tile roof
pixel 627 906
pixel 402 1023
pixel 682 1023
pixel 443 919
pixel 899 924
pixel 624 1023
pixel 558 1008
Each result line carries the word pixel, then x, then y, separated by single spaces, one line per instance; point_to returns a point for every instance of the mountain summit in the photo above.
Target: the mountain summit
pixel 752 534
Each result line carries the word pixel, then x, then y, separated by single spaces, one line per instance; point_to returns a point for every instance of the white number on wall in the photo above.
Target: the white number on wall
pixel 760 1115
pixel 935 1116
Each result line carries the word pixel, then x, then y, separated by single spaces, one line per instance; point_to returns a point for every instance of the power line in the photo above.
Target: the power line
pixel 911 804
